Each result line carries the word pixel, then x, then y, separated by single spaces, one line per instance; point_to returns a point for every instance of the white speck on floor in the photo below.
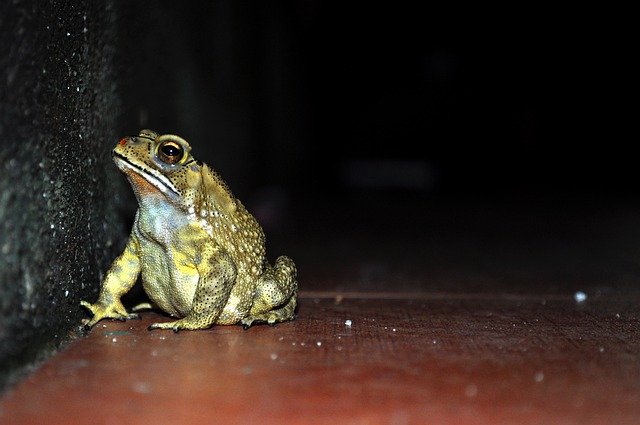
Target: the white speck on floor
pixel 471 390
pixel 538 376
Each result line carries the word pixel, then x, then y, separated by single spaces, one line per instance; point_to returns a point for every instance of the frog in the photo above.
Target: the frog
pixel 199 253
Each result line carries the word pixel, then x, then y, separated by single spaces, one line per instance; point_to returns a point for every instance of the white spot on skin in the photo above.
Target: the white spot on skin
pixel 580 297
pixel 538 376
pixel 274 356
pixel 232 303
pixel 348 323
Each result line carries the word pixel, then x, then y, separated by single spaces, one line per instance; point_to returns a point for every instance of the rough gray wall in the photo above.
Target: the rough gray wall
pixel 58 221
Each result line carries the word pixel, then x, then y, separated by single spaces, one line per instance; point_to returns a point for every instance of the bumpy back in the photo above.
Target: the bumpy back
pixel 231 225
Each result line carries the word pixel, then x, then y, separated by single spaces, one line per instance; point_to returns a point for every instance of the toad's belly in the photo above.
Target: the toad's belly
pixel 169 280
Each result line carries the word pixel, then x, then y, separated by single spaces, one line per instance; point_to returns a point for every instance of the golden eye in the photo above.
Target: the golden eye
pixel 170 152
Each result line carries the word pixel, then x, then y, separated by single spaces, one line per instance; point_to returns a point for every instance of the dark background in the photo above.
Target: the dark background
pixel 403 147
pixel 296 94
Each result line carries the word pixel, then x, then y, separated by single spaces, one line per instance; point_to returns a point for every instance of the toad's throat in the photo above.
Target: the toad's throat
pixel 152 176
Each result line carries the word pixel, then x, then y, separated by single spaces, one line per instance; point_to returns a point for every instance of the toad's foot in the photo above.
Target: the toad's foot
pixel 178 325
pixel 272 317
pixel 100 311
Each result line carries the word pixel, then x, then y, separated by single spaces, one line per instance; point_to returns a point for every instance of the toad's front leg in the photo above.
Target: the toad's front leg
pixel 120 278
pixel 217 275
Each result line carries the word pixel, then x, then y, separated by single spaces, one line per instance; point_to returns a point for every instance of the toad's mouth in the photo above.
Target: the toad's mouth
pixel 154 177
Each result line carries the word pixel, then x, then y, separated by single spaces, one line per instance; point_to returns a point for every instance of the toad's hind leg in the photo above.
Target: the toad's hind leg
pixel 276 292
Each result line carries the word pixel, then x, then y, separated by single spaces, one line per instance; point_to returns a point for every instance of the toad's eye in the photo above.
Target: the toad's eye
pixel 170 152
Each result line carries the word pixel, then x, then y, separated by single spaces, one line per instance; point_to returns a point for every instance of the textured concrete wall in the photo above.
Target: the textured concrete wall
pixel 58 203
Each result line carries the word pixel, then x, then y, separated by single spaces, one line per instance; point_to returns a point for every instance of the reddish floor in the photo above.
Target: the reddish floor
pixel 357 358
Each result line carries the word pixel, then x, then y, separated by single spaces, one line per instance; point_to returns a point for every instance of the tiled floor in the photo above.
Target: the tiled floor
pixel 391 358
